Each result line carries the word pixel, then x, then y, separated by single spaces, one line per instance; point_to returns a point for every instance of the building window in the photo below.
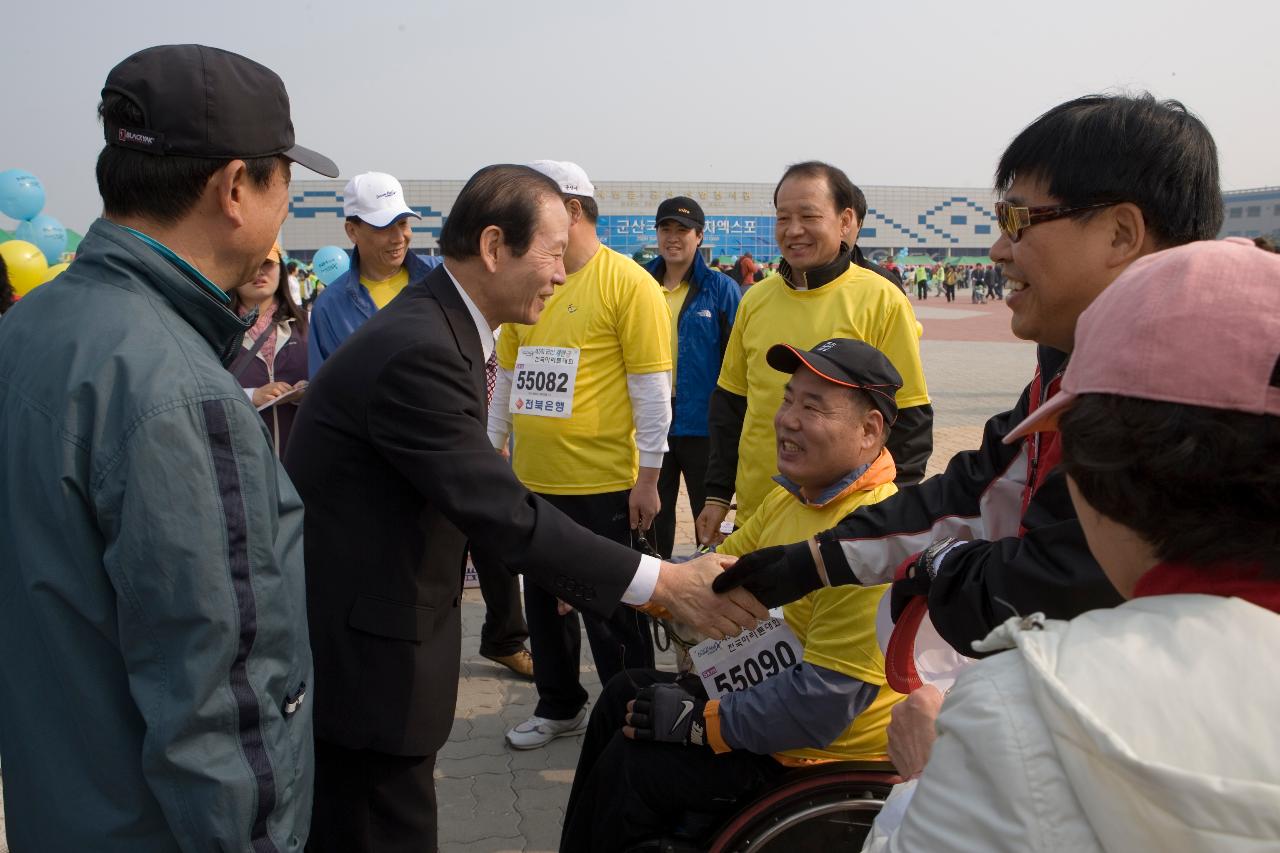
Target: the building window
pixel 982 229
pixel 1253 211
pixel 1235 212
pixel 867 232
pixel 920 219
pixel 959 220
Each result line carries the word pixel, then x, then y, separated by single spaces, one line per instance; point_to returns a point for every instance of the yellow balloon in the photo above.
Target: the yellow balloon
pixel 53 271
pixel 26 265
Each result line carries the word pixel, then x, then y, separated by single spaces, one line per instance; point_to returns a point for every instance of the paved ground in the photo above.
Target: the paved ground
pixel 493 798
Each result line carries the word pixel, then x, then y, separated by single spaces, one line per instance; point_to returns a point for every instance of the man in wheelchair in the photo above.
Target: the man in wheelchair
pixel 657 748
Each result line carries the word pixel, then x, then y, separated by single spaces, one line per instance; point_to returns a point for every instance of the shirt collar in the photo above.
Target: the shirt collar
pixel 829 493
pixel 816 278
pixel 191 272
pixel 482 325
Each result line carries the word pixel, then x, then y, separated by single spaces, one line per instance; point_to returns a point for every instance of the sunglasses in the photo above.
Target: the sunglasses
pixel 1013 219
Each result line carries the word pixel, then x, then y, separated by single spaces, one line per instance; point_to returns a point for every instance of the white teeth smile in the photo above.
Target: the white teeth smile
pixel 790 446
pixel 1016 285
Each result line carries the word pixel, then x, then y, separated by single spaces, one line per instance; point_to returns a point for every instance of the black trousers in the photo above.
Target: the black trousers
pixel 686 454
pixel 950 290
pixel 504 631
pixel 922 289
pixel 622 640
pixel 371 802
pixel 625 791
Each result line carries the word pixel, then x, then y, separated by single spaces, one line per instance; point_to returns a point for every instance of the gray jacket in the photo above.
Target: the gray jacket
pixel 153 639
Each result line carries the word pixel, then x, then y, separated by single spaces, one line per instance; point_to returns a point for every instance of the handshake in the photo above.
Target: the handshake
pixel 721 596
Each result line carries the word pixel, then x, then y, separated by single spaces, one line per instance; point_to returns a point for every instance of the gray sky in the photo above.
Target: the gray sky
pixel 913 92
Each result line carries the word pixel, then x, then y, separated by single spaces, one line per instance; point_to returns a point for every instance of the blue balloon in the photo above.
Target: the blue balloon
pixel 46 234
pixel 329 263
pixel 21 194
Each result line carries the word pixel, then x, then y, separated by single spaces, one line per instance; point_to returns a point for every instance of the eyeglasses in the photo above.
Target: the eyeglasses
pixel 1013 220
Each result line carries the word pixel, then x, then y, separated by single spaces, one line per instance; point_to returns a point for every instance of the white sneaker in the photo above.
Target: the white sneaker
pixel 539 731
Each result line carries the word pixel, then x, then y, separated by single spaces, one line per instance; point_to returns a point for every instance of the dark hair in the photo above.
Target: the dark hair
pixel 590 210
pixel 1119 148
pixel 1264 243
pixel 1199 485
pixel 506 196
pixel 162 188
pixel 859 203
pixel 6 289
pixel 842 189
pixel 287 308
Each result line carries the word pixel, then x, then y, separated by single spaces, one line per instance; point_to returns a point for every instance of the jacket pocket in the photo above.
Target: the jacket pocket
pixel 385 618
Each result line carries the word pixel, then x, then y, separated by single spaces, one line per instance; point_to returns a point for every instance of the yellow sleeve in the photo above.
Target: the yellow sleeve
pixel 509 345
pixel 733 370
pixel 643 322
pixel 842 632
pixel 900 343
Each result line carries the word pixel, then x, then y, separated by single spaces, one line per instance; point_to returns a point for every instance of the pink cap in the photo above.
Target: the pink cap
pixel 1198 325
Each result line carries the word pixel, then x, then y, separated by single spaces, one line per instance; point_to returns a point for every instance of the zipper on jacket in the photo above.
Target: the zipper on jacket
pixel 294 702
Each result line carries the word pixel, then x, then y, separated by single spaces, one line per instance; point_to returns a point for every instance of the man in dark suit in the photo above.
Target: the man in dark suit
pixel 390 455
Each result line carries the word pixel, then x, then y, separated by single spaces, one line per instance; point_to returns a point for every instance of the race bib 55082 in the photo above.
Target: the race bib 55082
pixel 542 384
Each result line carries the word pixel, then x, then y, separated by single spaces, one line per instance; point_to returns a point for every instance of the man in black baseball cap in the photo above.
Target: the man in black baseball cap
pixel 198 101
pixel 848 362
pixel 154 609
pixel 703 304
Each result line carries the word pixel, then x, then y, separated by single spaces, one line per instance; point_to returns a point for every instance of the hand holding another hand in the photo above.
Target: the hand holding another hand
pixel 684 589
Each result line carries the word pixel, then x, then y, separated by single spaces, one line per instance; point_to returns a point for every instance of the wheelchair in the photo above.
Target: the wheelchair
pixel 827 807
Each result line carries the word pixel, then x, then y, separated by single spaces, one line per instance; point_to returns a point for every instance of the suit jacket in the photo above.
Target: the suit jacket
pixel 390 455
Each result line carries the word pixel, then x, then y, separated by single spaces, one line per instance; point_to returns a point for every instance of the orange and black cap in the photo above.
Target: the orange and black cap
pixel 847 362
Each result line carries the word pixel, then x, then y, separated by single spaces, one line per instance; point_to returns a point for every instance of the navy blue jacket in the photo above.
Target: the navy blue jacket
pixel 706 318
pixel 344 306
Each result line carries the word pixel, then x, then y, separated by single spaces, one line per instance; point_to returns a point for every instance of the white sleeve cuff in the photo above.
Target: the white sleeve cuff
pixel 640 590
pixel 650 460
pixel 248 392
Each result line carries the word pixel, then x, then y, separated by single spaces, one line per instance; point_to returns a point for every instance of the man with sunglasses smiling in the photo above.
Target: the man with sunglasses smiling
pixel 1088 188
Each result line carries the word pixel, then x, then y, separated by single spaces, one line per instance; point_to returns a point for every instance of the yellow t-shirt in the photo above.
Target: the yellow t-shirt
pixel 675 301
pixel 859 304
pixel 383 292
pixel 837 626
pixel 612 313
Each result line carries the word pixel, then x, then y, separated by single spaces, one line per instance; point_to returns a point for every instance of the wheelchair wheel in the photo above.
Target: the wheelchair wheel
pixel 829 811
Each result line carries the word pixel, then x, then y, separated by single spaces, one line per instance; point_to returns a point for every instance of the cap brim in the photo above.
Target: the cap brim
pixel 1043 419
pixel 683 220
pixel 900 654
pixel 787 359
pixel 313 160
pixel 383 218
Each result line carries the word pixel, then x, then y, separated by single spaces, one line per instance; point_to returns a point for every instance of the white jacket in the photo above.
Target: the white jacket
pixel 1152 726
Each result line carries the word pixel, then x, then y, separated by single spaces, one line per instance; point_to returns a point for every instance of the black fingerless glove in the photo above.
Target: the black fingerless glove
pixel 667 713
pixel 775 576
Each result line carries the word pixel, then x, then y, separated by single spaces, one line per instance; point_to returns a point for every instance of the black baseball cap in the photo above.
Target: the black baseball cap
pixel 684 210
pixel 199 101
pixel 844 361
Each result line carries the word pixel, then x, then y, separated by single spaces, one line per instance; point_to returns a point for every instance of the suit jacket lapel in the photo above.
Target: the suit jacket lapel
pixel 460 323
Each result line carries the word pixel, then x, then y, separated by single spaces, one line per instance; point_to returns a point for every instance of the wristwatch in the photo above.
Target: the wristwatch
pixel 929 557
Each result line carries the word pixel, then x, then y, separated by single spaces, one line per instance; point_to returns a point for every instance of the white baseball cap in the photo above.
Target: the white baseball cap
pixel 571 177
pixel 376 198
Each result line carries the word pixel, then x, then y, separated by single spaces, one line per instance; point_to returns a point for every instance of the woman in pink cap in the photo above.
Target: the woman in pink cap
pixel 1150 726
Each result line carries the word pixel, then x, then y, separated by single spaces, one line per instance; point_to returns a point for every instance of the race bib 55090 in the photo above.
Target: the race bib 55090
pixel 757 654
